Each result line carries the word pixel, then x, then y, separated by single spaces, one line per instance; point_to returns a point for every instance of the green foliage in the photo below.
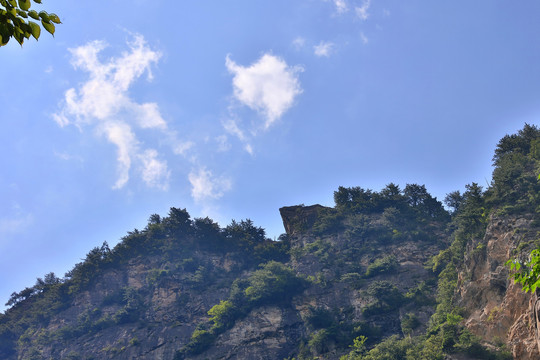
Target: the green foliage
pixel 391 348
pixel 422 294
pixel 319 341
pixel 272 283
pixel 454 200
pixel 370 219
pixel 223 315
pixel 157 277
pixel 200 341
pixel 15 22
pixel 328 221
pixel 358 348
pixel 515 177
pixel 354 279
pixel 516 185
pixel 386 295
pixel 409 323
pixel 387 264
pixel 413 202
pixel 319 318
pixel 524 142
pixel 527 272
pixel 321 249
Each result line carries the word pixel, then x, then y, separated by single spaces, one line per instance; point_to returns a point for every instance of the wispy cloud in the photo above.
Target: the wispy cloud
pixel 120 134
pixel 180 148
pixel 223 143
pixel 205 186
pixel 364 38
pixel 68 157
pixel 268 86
pixel 154 171
pixel 299 42
pixel 232 128
pixel 362 11
pixel 341 6
pixel 17 222
pixel 324 48
pixel 104 103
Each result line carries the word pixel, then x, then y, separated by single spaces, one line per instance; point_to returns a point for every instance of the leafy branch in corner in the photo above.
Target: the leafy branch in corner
pixel 15 22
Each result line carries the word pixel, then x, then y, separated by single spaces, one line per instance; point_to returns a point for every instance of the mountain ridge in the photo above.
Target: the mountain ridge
pixel 389 274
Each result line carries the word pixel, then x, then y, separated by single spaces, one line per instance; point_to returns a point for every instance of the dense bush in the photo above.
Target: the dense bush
pixel 272 283
pixel 413 200
pixel 387 264
pixel 386 297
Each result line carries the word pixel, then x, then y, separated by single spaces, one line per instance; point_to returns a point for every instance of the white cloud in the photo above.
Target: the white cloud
pixel 268 86
pixel 17 222
pixel 154 171
pixel 68 157
pixel 120 134
pixel 341 6
pixel 104 103
pixel 362 11
pixel 299 42
pixel 180 148
pixel 205 186
pixel 364 38
pixel 249 149
pixel 223 143
pixel 323 49
pixel 148 116
pixel 232 128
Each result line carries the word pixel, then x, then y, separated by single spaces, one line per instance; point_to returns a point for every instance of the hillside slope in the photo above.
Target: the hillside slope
pixel 387 274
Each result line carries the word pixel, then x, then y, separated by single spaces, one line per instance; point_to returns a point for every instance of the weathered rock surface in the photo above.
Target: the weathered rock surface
pixel 171 301
pixel 497 309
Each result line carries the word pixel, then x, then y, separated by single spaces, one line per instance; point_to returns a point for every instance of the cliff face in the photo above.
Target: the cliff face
pixel 496 308
pixel 145 309
pixel 362 275
pixel 382 275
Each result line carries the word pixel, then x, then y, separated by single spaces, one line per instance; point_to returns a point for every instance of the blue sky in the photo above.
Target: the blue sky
pixel 235 108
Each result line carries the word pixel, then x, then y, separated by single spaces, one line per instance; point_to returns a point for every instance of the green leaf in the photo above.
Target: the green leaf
pixel 22 13
pixel 48 26
pixel 33 14
pixel 19 36
pixel 37 1
pixel 54 18
pixel 44 16
pixel 2 43
pixel 36 30
pixel 24 4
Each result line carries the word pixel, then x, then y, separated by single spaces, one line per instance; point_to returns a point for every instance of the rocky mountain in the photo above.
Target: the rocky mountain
pixel 381 275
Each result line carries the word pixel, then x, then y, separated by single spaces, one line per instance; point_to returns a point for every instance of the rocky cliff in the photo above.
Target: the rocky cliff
pixel 498 310
pixel 359 275
pixel 382 275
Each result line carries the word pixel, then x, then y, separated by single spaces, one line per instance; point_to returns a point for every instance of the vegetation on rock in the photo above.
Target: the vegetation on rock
pixel 374 277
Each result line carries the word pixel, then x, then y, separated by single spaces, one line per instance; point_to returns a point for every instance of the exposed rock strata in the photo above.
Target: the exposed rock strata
pixel 497 309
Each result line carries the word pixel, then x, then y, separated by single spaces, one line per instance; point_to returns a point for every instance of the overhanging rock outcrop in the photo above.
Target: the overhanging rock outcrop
pixel 299 217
